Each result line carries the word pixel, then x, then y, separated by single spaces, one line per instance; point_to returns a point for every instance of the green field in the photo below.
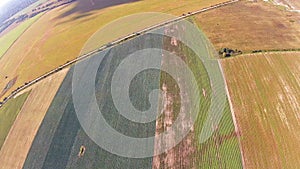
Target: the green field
pixel 7 40
pixel 8 114
pixel 221 150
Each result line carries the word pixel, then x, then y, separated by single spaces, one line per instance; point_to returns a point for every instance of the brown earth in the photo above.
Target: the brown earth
pixel 251 26
pixel 181 155
pixel 265 95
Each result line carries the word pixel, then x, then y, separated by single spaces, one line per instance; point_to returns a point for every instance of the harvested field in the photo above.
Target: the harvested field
pixel 52 40
pixel 265 95
pixel 27 123
pixel 251 26
pixel 8 114
pixel 8 39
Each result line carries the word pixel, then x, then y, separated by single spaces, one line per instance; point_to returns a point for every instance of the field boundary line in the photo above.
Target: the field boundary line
pixel 264 52
pixel 13 124
pixel 272 52
pixel 232 114
pixel 39 17
pixel 112 44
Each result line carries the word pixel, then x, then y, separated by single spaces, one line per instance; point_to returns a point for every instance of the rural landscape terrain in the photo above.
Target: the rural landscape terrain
pixel 221 84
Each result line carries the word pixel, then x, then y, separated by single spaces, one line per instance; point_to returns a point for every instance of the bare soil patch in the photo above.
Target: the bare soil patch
pixel 8 86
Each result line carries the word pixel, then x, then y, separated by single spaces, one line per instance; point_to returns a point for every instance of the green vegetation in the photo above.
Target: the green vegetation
pixel 8 114
pixel 221 150
pixel 8 39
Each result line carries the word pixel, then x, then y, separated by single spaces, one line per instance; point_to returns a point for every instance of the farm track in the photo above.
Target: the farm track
pixel 111 44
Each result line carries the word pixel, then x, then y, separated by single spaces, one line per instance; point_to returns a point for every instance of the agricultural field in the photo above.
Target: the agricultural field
pixel 259 126
pixel 60 138
pixel 27 123
pixel 46 44
pixel 265 94
pixel 249 26
pixel 8 114
pixel 8 29
pixel 8 39
pixel 221 150
pixel 30 8
pixel 292 5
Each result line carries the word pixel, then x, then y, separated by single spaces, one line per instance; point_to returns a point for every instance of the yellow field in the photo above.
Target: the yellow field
pixel 251 26
pixel 18 142
pixel 52 40
pixel 8 39
pixel 265 94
